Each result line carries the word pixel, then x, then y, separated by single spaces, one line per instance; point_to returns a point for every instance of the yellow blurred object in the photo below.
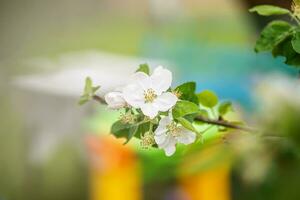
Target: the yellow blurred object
pixel 115 170
pixel 211 182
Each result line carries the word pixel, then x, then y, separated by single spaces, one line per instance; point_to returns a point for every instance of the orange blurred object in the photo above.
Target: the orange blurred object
pixel 114 171
pixel 212 182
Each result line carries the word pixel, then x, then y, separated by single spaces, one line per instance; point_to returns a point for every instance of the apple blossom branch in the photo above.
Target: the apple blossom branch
pixel 219 122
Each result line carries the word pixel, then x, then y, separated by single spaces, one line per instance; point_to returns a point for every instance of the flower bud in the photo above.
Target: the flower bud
pixel 127 118
pixel 115 100
pixel 147 140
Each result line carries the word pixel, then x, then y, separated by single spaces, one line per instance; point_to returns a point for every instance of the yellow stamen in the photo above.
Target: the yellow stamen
pixel 149 95
pixel 177 93
pixel 173 129
pixel 147 140
pixel 127 118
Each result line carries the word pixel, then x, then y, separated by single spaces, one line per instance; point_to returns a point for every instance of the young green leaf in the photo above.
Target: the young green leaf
pixel 225 107
pixel 88 92
pixel 183 108
pixel 186 124
pixel 296 41
pixel 142 129
pixel 83 99
pixel 268 10
pixel 88 86
pixel 95 89
pixel 203 113
pixel 121 130
pixel 187 92
pixel 211 134
pixel 274 33
pixel 144 68
pixel 132 131
pixel 286 50
pixel 208 98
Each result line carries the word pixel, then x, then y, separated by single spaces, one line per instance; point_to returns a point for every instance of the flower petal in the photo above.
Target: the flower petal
pixel 149 110
pixel 115 100
pixel 160 139
pixel 186 136
pixel 162 126
pixel 142 79
pixel 134 95
pixel 168 145
pixel 165 101
pixel 161 80
pixel 170 150
pixel 160 130
pixel 165 121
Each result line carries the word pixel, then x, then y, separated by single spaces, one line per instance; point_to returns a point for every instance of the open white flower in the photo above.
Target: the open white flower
pixel 168 133
pixel 149 92
pixel 115 100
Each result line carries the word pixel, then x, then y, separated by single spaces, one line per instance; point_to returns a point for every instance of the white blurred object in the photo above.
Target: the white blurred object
pixel 276 89
pixel 108 70
pixel 48 101
pixel 166 9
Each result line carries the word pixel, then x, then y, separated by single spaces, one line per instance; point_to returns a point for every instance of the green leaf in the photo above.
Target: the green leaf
pixel 144 68
pixel 274 33
pixel 268 10
pixel 94 89
pixel 121 130
pixel 203 113
pixel 211 134
pixel 83 100
pixel 186 124
pixel 225 107
pixel 286 50
pixel 296 41
pixel 88 92
pixel 183 108
pixel 127 131
pixel 132 131
pixel 208 98
pixel 142 129
pixel 187 91
pixel 88 86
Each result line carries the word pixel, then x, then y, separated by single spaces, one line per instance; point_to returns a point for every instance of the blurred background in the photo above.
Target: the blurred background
pixel 50 148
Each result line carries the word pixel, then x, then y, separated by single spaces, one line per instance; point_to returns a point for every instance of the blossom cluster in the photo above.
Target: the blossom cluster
pixel 149 100
pixel 161 116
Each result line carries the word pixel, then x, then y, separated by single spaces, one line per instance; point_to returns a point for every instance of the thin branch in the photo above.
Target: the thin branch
pixel 224 124
pixel 202 119
pixel 99 99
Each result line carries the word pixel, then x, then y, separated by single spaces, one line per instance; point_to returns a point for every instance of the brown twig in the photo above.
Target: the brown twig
pixel 99 99
pixel 223 123
pixel 200 118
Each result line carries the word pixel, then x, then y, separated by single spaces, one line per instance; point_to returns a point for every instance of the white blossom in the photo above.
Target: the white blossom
pixel 115 100
pixel 168 133
pixel 149 93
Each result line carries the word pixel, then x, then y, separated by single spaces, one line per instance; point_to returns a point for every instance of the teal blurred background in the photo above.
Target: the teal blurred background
pixel 42 145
